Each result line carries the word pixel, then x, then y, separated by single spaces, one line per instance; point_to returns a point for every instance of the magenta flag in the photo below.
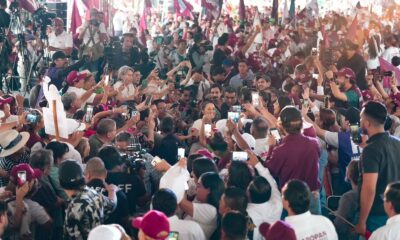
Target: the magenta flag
pixel 386 67
pixel 76 20
pixel 183 8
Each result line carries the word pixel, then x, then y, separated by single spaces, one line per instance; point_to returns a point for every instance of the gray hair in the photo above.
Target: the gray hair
pixel 105 126
pixel 67 100
pixel 123 70
pixel 41 159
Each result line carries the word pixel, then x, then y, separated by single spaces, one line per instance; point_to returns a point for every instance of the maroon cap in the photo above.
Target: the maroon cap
pixel 6 101
pixel 277 231
pixel 26 169
pixel 154 224
pixel 347 72
pixel 74 77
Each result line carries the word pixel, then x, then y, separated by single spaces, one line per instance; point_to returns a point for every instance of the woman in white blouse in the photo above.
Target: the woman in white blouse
pixel 204 209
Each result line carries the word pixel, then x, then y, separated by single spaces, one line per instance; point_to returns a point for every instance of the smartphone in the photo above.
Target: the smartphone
pixel 239 156
pixel 305 103
pixel 148 100
pixel 89 114
pixel 134 113
pixel 31 118
pixel 234 116
pixel 355 133
pixel 388 74
pixel 275 132
pixel 155 161
pixel 22 176
pixel 314 52
pixel 207 129
pixel 173 236
pixel 107 80
pixel 181 153
pixel 255 98
pixel 237 108
pixel 326 101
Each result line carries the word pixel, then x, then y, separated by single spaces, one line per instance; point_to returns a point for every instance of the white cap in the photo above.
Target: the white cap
pixel 109 232
pixel 249 139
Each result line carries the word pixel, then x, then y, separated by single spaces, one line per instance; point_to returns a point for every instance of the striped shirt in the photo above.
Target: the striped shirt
pixel 7 164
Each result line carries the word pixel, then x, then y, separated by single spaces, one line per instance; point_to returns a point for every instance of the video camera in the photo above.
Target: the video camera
pixel 43 18
pixel 133 159
pixel 112 50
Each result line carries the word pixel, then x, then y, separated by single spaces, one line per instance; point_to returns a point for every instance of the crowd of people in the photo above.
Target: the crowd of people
pixel 199 129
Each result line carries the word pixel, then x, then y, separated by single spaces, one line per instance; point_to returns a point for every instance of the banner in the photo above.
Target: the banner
pixel 183 8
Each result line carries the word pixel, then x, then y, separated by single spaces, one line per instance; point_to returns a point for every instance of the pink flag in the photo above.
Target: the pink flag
pixel 351 33
pixel 76 19
pixel 183 8
pixel 387 67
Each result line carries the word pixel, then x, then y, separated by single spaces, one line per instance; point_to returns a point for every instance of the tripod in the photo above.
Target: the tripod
pixel 24 66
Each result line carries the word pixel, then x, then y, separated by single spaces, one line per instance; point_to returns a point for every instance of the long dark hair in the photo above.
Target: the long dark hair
pixel 214 183
pixel 373 49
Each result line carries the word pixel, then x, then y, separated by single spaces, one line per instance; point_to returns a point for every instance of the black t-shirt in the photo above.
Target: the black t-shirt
pixel 358 65
pixel 130 58
pixel 120 215
pixel 130 184
pixel 168 148
pixel 381 156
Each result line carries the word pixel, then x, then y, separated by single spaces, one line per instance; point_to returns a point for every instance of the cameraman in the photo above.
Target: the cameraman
pixel 60 40
pixel 130 55
pixel 131 183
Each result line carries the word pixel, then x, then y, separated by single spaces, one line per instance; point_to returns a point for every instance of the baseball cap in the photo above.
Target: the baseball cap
pixel 110 232
pixel 154 224
pixel 290 114
pixel 74 77
pixel 70 175
pixel 58 55
pixel 277 231
pixel 346 72
pixel 30 173
pixel 351 114
pixel 376 110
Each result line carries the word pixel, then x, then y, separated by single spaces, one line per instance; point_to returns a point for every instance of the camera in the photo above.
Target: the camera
pixel 43 18
pixel 94 22
pixel 112 51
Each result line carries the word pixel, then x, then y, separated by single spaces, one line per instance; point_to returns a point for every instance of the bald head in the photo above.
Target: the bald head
pixel 95 169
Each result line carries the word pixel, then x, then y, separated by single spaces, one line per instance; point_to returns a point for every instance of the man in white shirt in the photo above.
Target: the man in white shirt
pixel 265 202
pixel 392 208
pixel 60 40
pixel 296 200
pixel 164 200
pixel 259 130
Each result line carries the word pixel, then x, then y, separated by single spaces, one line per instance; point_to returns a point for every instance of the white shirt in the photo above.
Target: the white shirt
pixel 308 226
pixel 62 41
pixel 206 216
pixel 187 229
pixel 128 91
pixel 390 231
pixel 389 53
pixel 79 92
pixel 269 211
pixel 261 146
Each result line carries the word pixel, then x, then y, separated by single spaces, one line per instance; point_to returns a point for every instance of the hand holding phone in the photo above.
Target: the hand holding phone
pixel 181 153
pixel 239 156
pixel 275 133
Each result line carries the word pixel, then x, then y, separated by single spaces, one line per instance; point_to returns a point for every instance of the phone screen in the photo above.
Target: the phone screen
pixel 89 113
pixel 234 116
pixel 207 129
pixel 155 160
pixel 181 153
pixel 107 80
pixel 237 108
pixel 255 98
pixel 31 118
pixel 239 156
pixel 148 100
pixel 173 236
pixel 275 133
pixel 355 133
pixel 22 176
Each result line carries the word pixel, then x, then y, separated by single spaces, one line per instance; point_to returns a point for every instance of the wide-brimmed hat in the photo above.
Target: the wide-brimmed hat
pixel 11 141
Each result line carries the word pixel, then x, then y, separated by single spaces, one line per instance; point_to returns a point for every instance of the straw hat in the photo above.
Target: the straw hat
pixel 11 141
